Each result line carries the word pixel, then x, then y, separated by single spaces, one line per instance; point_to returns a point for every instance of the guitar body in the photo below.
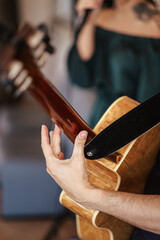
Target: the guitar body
pixel 127 175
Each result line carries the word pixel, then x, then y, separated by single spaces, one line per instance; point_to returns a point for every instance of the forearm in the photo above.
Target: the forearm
pixel 86 38
pixel 142 211
pixel 86 41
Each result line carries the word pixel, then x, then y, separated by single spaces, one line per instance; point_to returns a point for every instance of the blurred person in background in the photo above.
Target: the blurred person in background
pixel 117 51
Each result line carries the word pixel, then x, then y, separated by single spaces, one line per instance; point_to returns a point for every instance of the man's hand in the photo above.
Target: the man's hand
pixel 142 211
pixel 70 174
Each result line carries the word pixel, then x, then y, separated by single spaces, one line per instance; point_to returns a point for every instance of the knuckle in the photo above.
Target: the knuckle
pixel 80 143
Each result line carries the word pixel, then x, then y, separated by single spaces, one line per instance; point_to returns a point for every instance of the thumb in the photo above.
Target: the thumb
pixel 79 144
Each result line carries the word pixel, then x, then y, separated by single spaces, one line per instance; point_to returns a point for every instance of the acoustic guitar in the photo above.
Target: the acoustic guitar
pixel 125 170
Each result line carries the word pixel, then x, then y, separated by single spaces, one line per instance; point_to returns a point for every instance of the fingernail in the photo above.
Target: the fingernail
pixel 83 134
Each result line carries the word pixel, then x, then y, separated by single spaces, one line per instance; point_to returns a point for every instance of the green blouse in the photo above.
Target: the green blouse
pixel 121 65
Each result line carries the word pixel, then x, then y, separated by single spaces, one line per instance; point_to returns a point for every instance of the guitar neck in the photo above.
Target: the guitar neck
pixel 58 109
pixel 27 76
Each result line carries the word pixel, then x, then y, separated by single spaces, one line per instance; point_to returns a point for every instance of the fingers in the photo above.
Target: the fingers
pixel 53 150
pixel 79 144
pixel 55 137
pixel 46 147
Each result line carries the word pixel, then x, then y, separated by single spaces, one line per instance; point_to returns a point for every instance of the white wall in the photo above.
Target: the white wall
pixel 63 9
pixel 37 11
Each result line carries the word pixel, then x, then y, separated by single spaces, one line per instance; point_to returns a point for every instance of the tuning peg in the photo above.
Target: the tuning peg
pixel 46 39
pixel 24 86
pixel 49 49
pixel 14 69
pixel 40 50
pixel 18 78
pixel 35 39
pixel 39 42
pixel 42 60
pixel 8 85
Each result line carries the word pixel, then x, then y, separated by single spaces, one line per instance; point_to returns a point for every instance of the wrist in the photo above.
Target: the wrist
pixel 86 41
pixel 92 18
pixel 91 198
pixel 97 199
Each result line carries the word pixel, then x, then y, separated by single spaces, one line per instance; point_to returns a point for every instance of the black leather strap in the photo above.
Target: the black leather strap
pixel 125 129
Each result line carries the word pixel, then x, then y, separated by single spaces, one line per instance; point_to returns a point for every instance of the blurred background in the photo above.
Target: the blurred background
pixel 126 65
pixel 29 198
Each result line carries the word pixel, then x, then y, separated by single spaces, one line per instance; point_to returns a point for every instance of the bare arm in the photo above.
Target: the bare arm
pixel 142 211
pixel 86 38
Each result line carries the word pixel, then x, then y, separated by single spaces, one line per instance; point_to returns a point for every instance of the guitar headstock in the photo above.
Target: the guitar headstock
pixel 27 45
pixel 20 60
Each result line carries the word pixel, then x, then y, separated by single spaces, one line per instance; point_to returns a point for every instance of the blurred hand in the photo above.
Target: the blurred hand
pixel 82 5
pixel 94 5
pixel 70 174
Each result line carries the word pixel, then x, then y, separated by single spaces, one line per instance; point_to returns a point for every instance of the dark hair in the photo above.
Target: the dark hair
pixel 110 3
pixel 151 1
